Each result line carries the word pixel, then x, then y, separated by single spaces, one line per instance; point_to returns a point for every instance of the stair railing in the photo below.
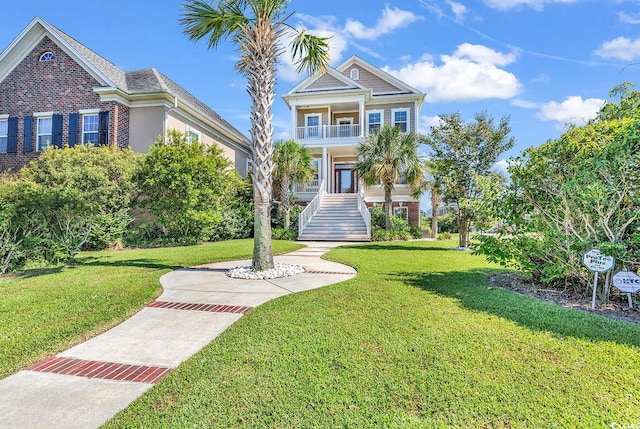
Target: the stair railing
pixel 311 209
pixel 364 211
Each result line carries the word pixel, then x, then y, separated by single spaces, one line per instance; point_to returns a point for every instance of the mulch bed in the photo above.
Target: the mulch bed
pixel 617 308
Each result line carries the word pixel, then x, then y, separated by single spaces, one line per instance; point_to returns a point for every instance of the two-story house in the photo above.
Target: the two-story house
pixel 56 91
pixel 331 113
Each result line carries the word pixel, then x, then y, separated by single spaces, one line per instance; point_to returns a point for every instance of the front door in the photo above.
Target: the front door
pixel 346 179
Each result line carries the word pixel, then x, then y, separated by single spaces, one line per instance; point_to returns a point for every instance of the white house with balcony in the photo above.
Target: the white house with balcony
pixel 331 113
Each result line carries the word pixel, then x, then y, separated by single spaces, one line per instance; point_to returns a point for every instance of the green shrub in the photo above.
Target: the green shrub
pixel 277 216
pixel 377 217
pixel 40 225
pixel 284 234
pixel 188 187
pixel 443 236
pixel 416 232
pixel 448 223
pixel 101 176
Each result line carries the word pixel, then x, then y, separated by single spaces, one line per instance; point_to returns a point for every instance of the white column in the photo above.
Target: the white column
pixel 294 121
pixel 325 169
pixel 361 106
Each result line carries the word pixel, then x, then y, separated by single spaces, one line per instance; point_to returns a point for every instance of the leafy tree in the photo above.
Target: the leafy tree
pixel 258 29
pixel 187 186
pixel 463 152
pixel 566 196
pixel 389 156
pixel 291 165
pixel 102 176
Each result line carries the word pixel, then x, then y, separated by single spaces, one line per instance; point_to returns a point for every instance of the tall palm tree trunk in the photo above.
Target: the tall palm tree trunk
pixel 285 196
pixel 261 87
pixel 387 208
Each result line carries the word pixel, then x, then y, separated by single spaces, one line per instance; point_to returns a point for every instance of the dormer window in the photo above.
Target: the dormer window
pixel 47 56
pixel 355 74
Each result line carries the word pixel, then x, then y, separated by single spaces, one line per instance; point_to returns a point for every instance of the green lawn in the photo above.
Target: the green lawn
pixel 44 312
pixel 418 339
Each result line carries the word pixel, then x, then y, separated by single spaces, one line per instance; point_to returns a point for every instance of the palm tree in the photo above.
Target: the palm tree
pixel 258 29
pixel 291 165
pixel 387 156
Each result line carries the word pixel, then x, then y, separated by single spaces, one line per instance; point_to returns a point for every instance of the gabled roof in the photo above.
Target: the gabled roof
pixel 336 81
pixel 344 83
pixel 108 75
pixel 342 68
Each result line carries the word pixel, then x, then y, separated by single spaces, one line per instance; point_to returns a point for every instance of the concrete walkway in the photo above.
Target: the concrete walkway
pixel 86 385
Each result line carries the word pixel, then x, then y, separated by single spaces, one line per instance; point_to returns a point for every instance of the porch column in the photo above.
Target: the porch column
pixel 361 108
pixel 294 121
pixel 325 169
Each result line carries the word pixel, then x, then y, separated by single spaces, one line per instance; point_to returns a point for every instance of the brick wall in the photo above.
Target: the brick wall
pixel 61 86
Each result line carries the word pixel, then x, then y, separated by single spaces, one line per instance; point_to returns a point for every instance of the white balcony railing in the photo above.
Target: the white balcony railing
pixel 312 188
pixel 328 132
pixel 311 209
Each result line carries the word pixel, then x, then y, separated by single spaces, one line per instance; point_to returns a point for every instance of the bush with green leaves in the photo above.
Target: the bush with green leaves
pixel 284 234
pixel 448 223
pixel 101 176
pixel 569 195
pixel 40 225
pixel 188 187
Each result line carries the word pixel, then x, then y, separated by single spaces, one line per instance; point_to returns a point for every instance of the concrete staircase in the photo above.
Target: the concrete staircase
pixel 337 219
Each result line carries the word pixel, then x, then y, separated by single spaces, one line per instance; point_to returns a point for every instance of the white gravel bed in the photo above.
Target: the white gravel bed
pixel 279 270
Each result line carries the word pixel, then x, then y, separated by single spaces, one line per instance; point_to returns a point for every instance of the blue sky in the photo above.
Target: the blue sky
pixel 543 62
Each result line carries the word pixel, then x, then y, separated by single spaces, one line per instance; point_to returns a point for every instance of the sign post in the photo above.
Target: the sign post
pixel 627 282
pixel 597 263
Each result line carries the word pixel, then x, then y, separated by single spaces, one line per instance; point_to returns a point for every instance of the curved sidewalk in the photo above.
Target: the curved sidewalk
pixel 86 385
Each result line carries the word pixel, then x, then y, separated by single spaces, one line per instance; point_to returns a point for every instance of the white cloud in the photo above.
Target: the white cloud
pixel 518 102
pixel 470 73
pixel 426 122
pixel 621 48
pixel 533 4
pixel 501 166
pixel 341 37
pixel 458 9
pixel 573 110
pixel 390 20
pixel 629 18
pixel 482 54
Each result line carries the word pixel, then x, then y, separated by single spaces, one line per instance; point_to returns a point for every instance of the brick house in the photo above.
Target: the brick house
pixel 331 113
pixel 56 91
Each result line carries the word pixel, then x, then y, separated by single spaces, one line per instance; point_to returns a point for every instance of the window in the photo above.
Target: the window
pixel 90 129
pixel 192 136
pixel 400 118
pixel 401 212
pixel 374 120
pixel 249 166
pixel 44 132
pixel 355 74
pixel 47 56
pixel 4 134
pixel 312 125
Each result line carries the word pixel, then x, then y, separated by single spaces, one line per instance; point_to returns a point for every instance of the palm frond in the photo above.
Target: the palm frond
pixel 202 20
pixel 310 53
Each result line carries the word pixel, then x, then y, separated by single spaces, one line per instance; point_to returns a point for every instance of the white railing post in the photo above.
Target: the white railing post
pixel 364 211
pixel 311 209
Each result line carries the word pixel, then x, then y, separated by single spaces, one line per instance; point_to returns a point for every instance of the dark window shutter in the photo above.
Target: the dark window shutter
pixel 56 131
pixel 103 128
pixel 12 135
pixel 28 134
pixel 73 129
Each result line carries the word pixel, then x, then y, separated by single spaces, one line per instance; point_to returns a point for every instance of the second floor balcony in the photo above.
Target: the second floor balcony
pixel 324 132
